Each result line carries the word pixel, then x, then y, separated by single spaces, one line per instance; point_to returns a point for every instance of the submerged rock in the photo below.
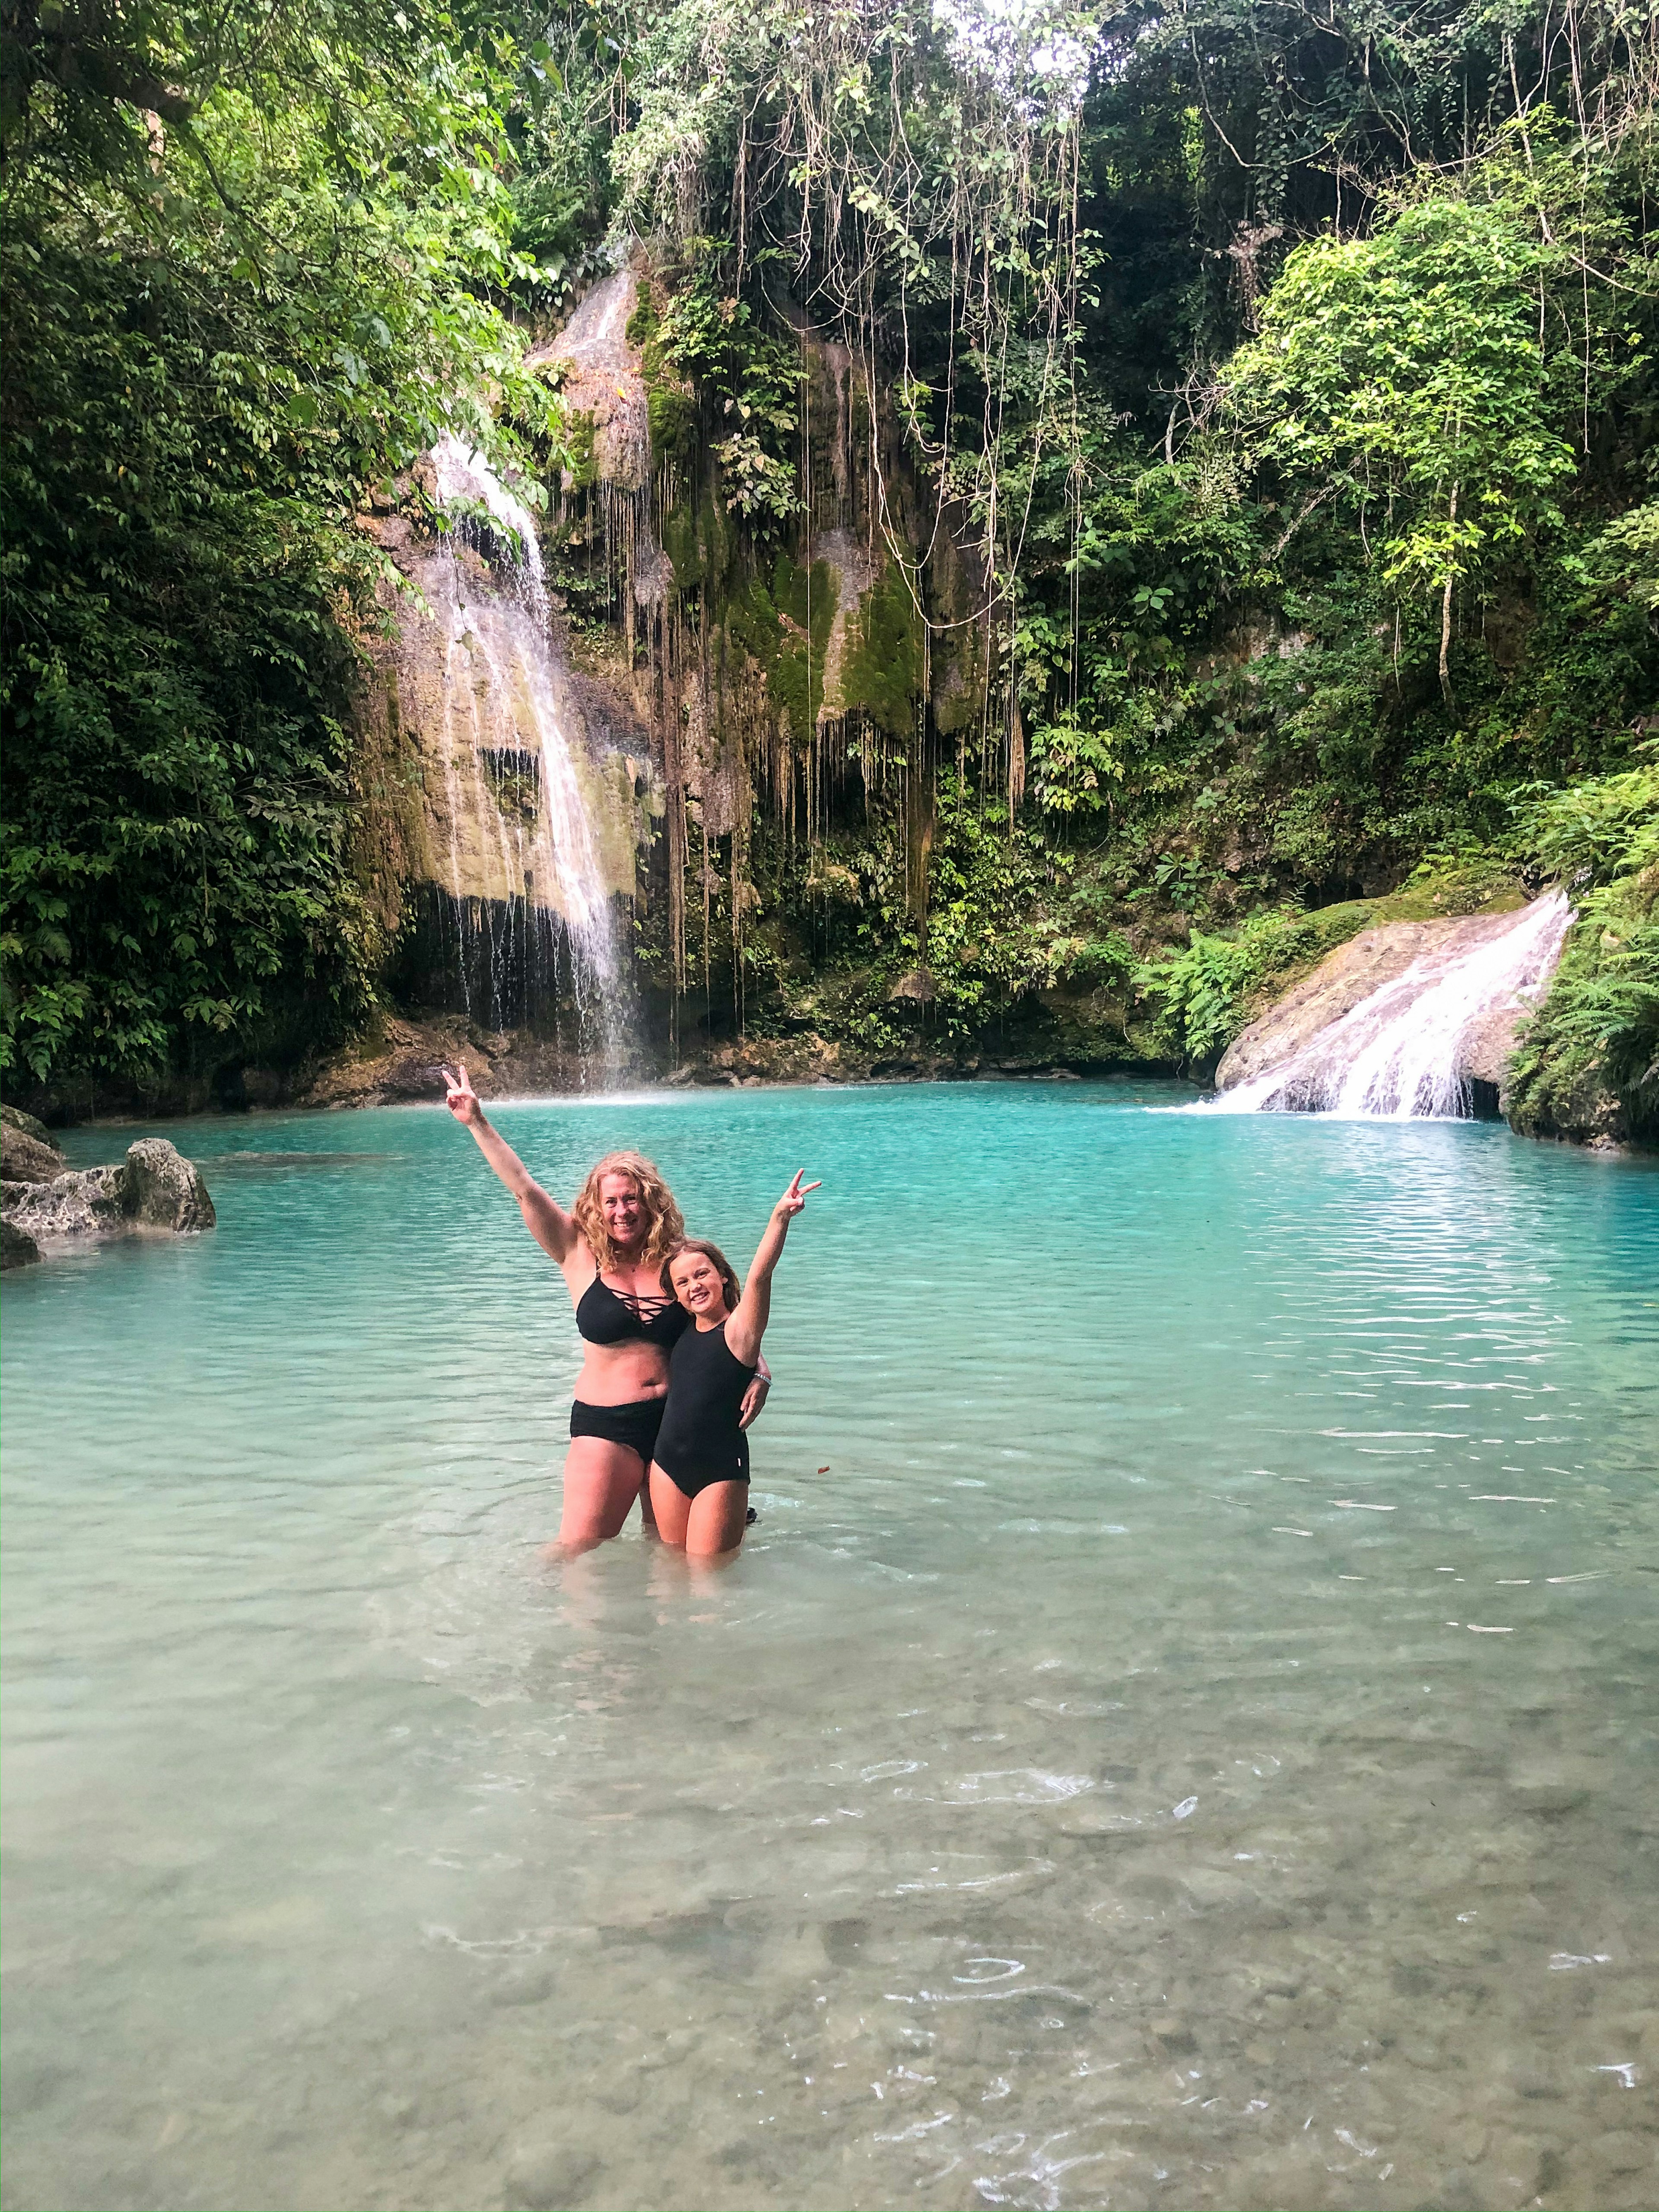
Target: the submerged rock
pixel 154 1187
pixel 17 1247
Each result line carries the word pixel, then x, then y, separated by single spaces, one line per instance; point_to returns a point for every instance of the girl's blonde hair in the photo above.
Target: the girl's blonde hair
pixel 666 1223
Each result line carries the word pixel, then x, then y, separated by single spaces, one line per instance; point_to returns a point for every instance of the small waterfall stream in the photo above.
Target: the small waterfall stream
pixel 1402 1052
pixel 528 889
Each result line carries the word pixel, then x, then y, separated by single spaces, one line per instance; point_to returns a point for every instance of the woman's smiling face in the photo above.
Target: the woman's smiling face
pixel 623 1206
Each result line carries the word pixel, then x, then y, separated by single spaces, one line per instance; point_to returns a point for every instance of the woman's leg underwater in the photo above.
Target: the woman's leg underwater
pixel 601 1481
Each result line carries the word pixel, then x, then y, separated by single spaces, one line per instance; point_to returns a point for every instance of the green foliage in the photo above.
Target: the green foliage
pixel 709 334
pixel 214 345
pixel 1294 382
pixel 1587 1063
pixel 1204 995
pixel 1402 372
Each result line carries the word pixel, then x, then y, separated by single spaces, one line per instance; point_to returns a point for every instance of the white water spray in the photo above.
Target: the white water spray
pixel 1399 1054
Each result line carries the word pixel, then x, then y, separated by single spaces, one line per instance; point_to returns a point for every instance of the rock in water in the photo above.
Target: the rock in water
pixel 17 1247
pixel 82 1203
pixel 25 1157
pixel 165 1190
pixel 549 2177
pixel 14 1117
pixel 154 1187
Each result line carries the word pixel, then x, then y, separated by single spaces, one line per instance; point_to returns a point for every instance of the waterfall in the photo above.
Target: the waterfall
pixel 1404 1051
pixel 527 884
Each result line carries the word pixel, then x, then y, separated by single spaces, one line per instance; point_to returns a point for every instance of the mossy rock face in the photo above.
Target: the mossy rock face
pixel 701 543
pixel 673 418
pixel 881 675
pixel 578 442
pixel 786 627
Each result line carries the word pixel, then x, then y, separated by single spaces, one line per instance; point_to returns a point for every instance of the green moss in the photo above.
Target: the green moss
pixel 679 542
pixel 787 628
pixel 882 674
pixel 673 416
pixel 641 325
pixel 698 538
pixel 578 442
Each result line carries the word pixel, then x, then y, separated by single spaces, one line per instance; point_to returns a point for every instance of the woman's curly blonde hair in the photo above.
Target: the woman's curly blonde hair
pixel 667 1222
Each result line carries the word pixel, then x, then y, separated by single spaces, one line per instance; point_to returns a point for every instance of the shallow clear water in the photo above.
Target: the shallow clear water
pixel 1181 1732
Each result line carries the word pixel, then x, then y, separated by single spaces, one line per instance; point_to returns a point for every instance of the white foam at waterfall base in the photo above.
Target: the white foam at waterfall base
pixel 503 697
pixel 1395 1055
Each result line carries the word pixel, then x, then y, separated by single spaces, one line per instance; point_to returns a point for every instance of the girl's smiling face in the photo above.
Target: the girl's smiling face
pixel 697 1284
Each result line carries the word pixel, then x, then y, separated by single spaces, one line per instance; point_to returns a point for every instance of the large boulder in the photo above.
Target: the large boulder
pixel 25 1157
pixel 154 1187
pixel 14 1117
pixel 1432 1007
pixel 17 1247
pixel 165 1190
pixel 1337 986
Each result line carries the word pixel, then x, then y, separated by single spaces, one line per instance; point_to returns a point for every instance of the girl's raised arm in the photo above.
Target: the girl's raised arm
pixel 546 1220
pixel 746 1327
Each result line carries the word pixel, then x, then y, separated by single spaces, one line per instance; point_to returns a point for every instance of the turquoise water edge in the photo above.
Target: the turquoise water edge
pixel 1181 1732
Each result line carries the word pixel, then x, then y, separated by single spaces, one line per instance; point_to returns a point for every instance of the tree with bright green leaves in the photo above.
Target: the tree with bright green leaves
pixel 1402 375
pixel 227 313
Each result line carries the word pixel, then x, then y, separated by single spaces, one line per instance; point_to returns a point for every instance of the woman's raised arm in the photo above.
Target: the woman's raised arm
pixel 745 1328
pixel 546 1220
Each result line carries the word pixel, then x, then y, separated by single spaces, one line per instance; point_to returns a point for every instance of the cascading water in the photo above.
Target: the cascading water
pixel 1403 1051
pixel 528 891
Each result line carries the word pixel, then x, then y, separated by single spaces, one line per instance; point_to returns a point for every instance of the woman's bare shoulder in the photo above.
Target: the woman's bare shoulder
pixel 579 1266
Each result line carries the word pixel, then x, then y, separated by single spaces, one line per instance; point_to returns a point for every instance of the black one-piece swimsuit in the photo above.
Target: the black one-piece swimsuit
pixel 700 1442
pixel 608 1316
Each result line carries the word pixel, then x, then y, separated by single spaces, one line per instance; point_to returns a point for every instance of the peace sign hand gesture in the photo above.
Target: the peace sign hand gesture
pixel 794 1201
pixel 461 1098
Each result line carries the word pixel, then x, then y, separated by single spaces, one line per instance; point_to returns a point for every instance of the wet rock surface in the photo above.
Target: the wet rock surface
pixel 1341 980
pixel 26 1159
pixel 17 1247
pixel 155 1188
pixel 164 1190
pixel 13 1118
pixel 1411 1017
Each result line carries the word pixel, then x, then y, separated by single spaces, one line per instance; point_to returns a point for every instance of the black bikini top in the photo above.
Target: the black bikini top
pixel 608 1316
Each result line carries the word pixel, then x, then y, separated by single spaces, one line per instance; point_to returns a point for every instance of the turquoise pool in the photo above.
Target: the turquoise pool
pixel 1181 1733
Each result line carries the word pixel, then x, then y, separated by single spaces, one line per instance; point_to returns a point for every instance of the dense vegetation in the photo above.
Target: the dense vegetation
pixel 1289 373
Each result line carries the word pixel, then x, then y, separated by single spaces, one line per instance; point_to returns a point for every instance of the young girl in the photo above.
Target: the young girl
pixel 699 1471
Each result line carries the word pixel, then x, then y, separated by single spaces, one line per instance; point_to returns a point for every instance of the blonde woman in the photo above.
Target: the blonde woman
pixel 610 1249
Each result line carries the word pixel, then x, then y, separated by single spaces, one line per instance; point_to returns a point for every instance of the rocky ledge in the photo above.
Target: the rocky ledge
pixel 1448 995
pixel 46 1205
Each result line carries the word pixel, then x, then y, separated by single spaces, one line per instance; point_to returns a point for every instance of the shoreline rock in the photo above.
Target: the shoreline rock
pixel 155 1189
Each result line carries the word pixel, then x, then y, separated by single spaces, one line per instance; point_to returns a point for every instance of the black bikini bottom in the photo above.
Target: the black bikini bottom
pixel 634 1427
pixel 689 1475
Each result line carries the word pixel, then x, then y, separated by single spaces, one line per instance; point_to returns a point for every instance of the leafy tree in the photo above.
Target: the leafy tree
pixel 218 332
pixel 1402 374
